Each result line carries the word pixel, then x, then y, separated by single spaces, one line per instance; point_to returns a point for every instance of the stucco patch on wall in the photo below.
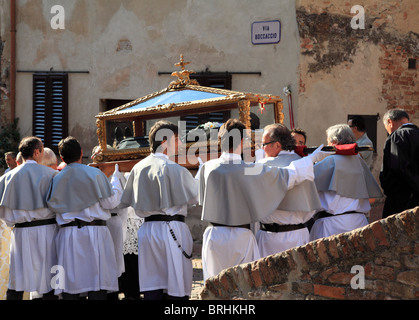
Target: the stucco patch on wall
pixel 115 81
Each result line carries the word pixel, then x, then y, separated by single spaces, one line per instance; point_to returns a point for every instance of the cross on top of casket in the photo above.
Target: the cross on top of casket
pixel 183 76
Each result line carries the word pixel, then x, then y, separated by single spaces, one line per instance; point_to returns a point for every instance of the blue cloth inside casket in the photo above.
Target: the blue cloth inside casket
pixel 175 97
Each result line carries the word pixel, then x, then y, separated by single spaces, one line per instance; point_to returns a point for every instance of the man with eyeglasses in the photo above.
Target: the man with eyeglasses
pixel 233 196
pixel 285 227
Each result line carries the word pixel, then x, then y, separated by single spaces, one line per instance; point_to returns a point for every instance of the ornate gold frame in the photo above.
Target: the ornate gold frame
pixel 230 100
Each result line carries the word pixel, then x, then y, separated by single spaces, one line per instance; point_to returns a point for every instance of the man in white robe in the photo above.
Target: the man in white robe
pixel 82 198
pixel 23 206
pixel 115 225
pixel 345 185
pixel 235 194
pixel 160 191
pixel 286 227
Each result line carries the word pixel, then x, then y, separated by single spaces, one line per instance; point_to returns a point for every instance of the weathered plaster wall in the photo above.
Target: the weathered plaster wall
pixel 4 63
pixel 345 71
pixel 123 44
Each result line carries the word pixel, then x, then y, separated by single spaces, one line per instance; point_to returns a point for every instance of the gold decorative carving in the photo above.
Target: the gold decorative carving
pixel 226 100
pixel 244 112
pixel 183 76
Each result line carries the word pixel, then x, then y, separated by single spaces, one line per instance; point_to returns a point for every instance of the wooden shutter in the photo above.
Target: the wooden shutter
pixel 50 108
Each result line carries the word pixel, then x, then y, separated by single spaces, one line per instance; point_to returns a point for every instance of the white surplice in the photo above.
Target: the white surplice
pixel 274 242
pixel 225 247
pixel 345 184
pixel 161 263
pixel 335 204
pixel 87 254
pixel 33 252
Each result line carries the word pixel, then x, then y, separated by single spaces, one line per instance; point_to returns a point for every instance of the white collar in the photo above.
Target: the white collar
pixel 286 152
pixel 230 156
pixel 31 161
pixel 161 155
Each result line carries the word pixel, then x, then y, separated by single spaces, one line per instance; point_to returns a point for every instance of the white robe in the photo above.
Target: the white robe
pixel 335 204
pixel 33 252
pixel 116 225
pixel 115 228
pixel 161 264
pixel 225 247
pixel 87 254
pixel 274 242
pixel 345 184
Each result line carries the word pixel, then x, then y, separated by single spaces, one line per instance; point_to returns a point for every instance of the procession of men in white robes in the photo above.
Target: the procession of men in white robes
pixel 282 192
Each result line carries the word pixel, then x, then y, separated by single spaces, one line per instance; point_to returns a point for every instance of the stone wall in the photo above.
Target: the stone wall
pixel 378 261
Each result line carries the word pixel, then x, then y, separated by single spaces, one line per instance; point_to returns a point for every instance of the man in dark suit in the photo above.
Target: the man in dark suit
pixel 399 176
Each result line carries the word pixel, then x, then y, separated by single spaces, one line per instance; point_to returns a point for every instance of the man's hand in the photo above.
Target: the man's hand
pixel 319 155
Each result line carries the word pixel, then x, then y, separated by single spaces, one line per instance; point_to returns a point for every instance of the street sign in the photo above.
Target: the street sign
pixel 266 32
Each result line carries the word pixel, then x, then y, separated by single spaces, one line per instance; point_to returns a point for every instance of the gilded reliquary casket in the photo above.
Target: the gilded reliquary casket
pixel 123 131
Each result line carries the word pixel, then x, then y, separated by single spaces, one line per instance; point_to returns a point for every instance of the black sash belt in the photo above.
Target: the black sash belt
pixel 36 223
pixel 163 217
pixel 80 223
pixel 274 227
pixel 246 226
pixel 324 214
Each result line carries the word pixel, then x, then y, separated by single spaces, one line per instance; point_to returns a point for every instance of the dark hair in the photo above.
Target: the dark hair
pixel 229 133
pixel 395 115
pixel 28 146
pixel 169 129
pixel 11 153
pixel 359 123
pixel 279 132
pixel 70 150
pixel 300 131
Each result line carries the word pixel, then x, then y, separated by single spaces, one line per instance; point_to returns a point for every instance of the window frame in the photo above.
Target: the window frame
pixel 52 106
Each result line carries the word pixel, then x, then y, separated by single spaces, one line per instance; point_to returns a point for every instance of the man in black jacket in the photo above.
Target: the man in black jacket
pixel 399 175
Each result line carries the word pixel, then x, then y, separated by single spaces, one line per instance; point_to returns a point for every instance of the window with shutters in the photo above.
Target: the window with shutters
pixel 220 81
pixel 50 108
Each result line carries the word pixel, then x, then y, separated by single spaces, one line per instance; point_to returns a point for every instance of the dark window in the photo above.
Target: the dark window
pixel 412 64
pixel 219 81
pixel 110 104
pixel 116 130
pixel 50 108
pixel 214 80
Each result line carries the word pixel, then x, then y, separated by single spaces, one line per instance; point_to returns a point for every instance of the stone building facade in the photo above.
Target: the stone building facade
pixel 113 51
pixel 99 54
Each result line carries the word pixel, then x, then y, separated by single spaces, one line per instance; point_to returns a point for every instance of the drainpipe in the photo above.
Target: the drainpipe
pixel 287 92
pixel 13 59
